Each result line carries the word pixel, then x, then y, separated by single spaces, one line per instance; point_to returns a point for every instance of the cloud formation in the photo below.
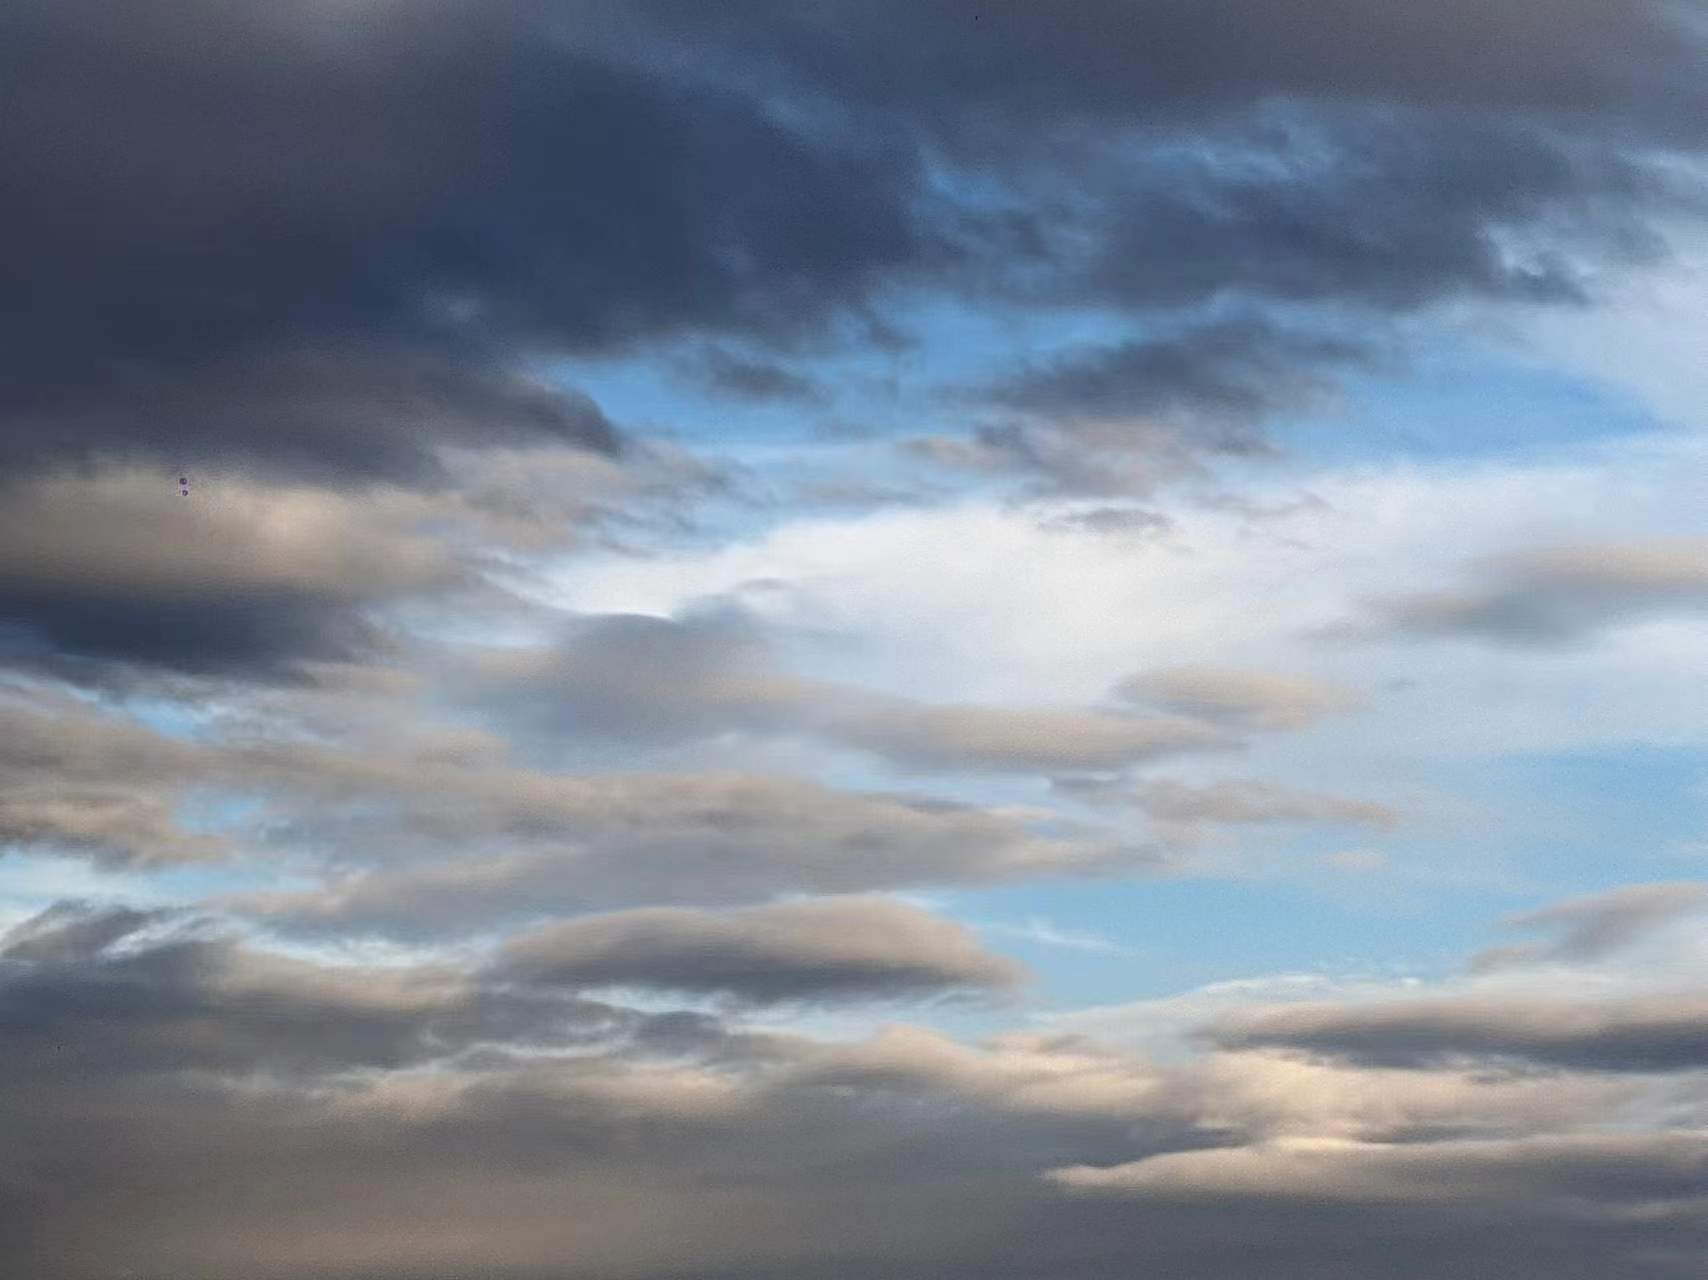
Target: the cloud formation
pixel 713 672
pixel 1562 595
pixel 223 1077
pixel 415 867
pixel 1661 1034
pixel 815 950
pixel 1591 927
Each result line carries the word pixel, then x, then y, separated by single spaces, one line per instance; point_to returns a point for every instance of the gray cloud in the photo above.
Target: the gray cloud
pixel 73 931
pixel 198 1003
pixel 1560 596
pixel 527 843
pixel 1594 926
pixel 1231 372
pixel 332 259
pixel 120 567
pixel 77 781
pixel 1029 740
pixel 437 831
pixel 1631 1034
pixel 190 1108
pixel 1637 1170
pixel 710 673
pixel 815 950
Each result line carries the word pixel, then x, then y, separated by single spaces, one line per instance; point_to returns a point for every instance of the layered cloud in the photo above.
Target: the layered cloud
pixel 803 950
pixel 1024 1151
pixel 492 824
pixel 713 672
pixel 1662 1034
pixel 1562 595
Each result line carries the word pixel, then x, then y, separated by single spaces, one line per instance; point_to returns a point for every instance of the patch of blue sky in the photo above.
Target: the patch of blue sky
pixel 1176 932
pixel 32 881
pixel 170 718
pixel 1583 822
pixel 1456 400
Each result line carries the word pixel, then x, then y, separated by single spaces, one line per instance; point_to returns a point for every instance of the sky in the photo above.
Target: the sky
pixel 951 640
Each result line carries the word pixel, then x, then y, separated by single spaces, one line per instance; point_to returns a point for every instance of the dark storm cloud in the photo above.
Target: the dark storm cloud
pixel 1560 596
pixel 1630 1034
pixel 836 949
pixel 1168 153
pixel 250 233
pixel 1111 60
pixel 333 416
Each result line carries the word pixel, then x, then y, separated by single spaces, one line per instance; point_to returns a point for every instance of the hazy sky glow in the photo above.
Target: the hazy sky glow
pixel 949 640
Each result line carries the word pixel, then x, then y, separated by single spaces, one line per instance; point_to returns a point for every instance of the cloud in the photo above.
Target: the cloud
pixel 1108 60
pixel 1610 1168
pixel 328 415
pixel 1029 740
pixel 1242 699
pixel 74 780
pixel 342 263
pixel 318 244
pixel 1229 371
pixel 72 930
pixel 525 843
pixel 192 1003
pixel 1591 927
pixel 835 949
pixel 118 567
pixel 1629 1034
pixel 239 1099
pixel 1560 596
pixel 257 232
pixel 713 672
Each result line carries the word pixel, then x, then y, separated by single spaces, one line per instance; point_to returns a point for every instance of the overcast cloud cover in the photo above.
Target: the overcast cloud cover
pixel 949 640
